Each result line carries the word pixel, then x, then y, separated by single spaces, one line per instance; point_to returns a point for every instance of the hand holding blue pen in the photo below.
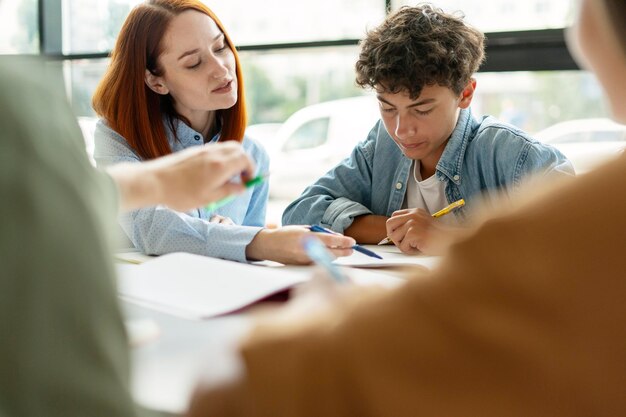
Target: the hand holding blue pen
pixel 358 248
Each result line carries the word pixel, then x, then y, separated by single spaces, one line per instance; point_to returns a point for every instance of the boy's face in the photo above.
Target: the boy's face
pixel 421 127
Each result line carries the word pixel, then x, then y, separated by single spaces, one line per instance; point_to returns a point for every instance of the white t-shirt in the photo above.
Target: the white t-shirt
pixel 428 194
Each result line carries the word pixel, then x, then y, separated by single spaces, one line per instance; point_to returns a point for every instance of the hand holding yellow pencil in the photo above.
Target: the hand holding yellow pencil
pixel 442 212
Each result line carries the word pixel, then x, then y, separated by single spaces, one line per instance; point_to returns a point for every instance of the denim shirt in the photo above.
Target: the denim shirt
pixel 480 158
pixel 158 230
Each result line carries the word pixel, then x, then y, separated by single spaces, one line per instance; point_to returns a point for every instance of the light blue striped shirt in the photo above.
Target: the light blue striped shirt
pixel 159 230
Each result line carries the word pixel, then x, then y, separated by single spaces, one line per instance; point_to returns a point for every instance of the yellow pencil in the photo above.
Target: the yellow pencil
pixel 442 212
pixel 449 208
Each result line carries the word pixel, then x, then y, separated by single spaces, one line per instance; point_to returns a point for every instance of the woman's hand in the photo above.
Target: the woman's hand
pixel 284 245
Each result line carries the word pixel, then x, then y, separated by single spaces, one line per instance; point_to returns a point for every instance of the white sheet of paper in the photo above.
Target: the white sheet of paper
pixel 391 257
pixel 199 287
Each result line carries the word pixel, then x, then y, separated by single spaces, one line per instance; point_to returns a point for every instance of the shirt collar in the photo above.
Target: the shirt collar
pixel 185 134
pixel 451 161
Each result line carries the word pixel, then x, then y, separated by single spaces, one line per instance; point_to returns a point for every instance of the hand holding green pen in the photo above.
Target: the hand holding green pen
pixel 250 183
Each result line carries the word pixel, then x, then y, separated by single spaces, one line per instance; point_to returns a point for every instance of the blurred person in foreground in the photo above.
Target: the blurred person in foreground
pixel 64 349
pixel 524 317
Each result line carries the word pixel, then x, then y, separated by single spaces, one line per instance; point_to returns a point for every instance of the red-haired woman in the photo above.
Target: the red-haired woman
pixel 175 82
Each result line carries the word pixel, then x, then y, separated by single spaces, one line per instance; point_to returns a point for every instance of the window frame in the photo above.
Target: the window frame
pixel 505 51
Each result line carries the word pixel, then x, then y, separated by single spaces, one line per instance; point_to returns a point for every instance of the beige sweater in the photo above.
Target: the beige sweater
pixel 527 317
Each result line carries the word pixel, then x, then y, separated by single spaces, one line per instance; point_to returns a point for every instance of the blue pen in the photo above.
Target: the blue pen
pixel 318 254
pixel 358 248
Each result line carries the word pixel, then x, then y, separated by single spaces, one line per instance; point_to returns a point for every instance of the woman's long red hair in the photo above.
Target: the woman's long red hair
pixel 124 100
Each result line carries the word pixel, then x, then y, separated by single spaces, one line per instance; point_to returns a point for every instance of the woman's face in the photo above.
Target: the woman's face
pixel 197 64
pixel 594 44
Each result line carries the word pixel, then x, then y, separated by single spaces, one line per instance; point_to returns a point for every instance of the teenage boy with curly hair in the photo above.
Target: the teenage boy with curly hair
pixel 427 150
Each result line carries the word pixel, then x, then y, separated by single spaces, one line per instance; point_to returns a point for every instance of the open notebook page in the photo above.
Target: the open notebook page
pixel 199 287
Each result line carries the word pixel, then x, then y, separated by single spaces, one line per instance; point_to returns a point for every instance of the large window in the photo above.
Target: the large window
pixel 536 100
pixel 92 25
pixel 295 54
pixel 280 21
pixel 278 84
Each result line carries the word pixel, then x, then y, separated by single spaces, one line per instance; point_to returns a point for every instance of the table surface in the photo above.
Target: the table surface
pixel 170 360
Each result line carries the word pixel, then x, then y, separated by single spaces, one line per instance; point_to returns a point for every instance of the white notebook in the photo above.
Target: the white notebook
pixel 200 287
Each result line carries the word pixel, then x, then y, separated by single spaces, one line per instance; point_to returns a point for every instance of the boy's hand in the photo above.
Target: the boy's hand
pixel 413 231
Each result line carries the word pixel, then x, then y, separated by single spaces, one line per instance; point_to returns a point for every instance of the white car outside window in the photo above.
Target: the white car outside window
pixel 315 139
pixel 586 142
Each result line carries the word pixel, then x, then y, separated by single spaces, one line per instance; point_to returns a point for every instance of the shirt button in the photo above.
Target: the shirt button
pixel 196 137
pixel 398 186
pixel 456 177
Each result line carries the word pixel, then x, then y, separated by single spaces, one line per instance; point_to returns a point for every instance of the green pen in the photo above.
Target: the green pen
pixel 250 183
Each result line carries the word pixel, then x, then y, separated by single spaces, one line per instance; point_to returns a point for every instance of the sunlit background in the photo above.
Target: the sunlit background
pixel 296 55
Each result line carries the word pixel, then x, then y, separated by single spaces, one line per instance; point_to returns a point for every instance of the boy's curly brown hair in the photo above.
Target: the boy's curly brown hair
pixel 419 46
